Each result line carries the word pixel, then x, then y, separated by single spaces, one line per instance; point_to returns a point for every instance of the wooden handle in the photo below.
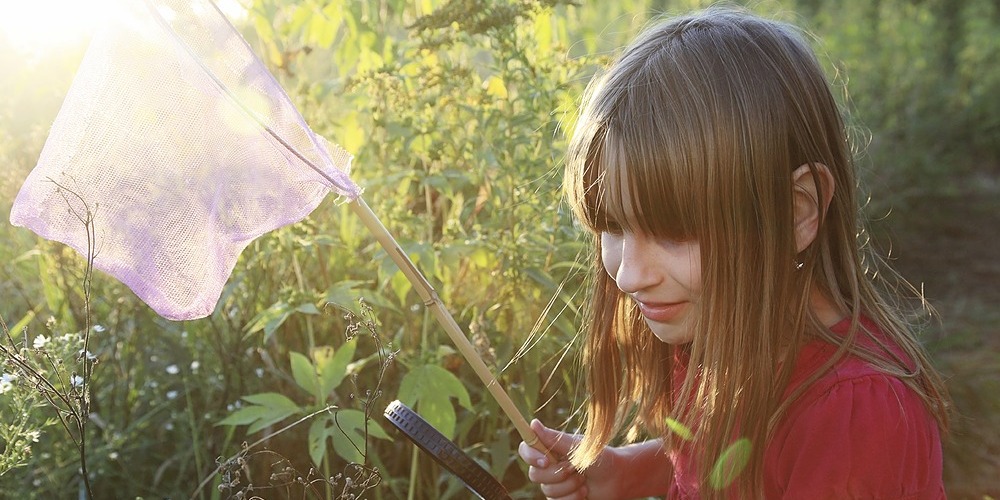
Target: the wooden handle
pixel 433 302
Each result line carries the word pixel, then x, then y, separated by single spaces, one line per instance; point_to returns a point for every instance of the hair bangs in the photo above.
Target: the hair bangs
pixel 632 171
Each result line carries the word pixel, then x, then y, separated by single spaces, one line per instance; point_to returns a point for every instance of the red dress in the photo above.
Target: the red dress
pixel 854 433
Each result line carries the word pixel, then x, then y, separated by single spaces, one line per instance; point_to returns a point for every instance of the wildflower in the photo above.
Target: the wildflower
pixel 33 435
pixel 173 370
pixel 171 394
pixel 76 381
pixel 7 382
pixel 195 365
pixel 40 342
pixel 99 328
pixel 90 356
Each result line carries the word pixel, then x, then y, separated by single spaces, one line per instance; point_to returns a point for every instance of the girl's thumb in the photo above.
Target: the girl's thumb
pixel 558 442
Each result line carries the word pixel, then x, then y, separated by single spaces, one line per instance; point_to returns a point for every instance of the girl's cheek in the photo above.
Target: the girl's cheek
pixel 611 253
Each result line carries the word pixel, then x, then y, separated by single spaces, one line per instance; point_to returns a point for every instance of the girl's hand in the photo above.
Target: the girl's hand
pixel 560 480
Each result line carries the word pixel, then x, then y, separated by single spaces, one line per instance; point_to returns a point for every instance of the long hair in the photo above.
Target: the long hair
pixel 693 134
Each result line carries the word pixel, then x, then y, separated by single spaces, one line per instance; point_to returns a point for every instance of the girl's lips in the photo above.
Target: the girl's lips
pixel 661 312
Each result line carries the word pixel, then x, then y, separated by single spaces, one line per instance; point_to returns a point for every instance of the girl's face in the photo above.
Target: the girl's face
pixel 663 277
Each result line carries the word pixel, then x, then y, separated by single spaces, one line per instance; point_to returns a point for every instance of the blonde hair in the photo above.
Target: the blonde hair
pixel 693 134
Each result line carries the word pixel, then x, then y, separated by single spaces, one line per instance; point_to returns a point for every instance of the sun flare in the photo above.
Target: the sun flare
pixel 37 27
pixel 40 26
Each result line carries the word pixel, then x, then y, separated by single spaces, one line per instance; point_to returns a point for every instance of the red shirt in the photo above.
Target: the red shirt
pixel 855 433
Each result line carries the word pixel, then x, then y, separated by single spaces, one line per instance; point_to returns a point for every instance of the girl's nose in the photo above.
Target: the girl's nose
pixel 638 268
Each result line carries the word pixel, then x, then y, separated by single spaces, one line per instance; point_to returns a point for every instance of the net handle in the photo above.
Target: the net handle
pixel 433 302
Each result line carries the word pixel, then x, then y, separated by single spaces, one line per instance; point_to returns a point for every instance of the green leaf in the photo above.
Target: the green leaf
pixel 317 440
pixel 730 464
pixel 244 416
pixel 349 427
pixel 428 389
pixel 342 294
pixel 307 308
pixel 270 319
pixel 271 400
pixel 274 316
pixel 305 375
pixel 347 430
pixel 401 285
pixel 680 429
pixel 268 408
pixel 495 87
pixel 20 326
pixel 331 366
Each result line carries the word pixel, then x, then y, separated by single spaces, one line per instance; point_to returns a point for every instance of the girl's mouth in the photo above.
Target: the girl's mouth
pixel 661 312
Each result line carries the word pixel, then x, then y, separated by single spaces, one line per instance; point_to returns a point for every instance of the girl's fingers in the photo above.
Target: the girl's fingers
pixel 559 481
pixel 571 486
pixel 559 443
pixel 544 475
pixel 532 456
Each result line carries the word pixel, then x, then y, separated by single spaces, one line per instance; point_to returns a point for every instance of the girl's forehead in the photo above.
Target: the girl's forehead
pixel 640 191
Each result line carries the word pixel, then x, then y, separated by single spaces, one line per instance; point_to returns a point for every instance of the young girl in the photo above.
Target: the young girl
pixel 734 320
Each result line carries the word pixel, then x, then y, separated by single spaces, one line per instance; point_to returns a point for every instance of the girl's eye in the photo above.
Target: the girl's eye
pixel 606 224
pixel 612 227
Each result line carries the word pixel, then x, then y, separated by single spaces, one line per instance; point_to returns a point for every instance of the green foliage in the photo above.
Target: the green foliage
pixel 730 464
pixel 317 378
pixel 267 408
pixel 457 112
pixel 428 389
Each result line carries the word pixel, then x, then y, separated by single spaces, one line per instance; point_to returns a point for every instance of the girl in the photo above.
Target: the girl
pixel 733 319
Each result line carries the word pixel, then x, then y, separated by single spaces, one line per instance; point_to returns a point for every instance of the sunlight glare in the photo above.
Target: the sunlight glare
pixel 39 26
pixel 36 27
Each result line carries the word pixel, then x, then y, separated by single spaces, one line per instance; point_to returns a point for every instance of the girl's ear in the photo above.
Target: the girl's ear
pixel 812 190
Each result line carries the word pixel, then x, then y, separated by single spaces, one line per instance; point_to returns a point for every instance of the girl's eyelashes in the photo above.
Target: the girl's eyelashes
pixel 606 225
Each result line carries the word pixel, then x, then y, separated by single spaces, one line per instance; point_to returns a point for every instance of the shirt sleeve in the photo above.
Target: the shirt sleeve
pixel 864 438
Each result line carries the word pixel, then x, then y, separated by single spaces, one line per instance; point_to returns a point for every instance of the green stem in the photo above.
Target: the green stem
pixel 198 459
pixel 302 287
pixel 414 456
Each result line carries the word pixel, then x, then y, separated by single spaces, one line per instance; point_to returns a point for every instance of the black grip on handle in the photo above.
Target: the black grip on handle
pixel 445 452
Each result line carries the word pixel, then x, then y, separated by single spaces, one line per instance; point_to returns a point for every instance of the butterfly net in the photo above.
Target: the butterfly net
pixel 181 148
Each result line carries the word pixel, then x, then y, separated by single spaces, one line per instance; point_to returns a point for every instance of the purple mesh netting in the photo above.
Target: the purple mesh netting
pixel 184 148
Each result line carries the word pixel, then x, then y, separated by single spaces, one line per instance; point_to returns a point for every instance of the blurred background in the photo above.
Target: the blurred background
pixel 457 113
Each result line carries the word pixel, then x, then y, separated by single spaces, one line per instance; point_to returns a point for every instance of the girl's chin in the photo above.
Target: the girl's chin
pixel 671 334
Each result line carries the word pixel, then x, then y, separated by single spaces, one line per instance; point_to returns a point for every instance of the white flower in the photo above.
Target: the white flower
pixel 259 372
pixel 99 328
pixel 33 435
pixel 195 365
pixel 171 394
pixel 173 370
pixel 40 342
pixel 76 381
pixel 90 356
pixel 7 382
